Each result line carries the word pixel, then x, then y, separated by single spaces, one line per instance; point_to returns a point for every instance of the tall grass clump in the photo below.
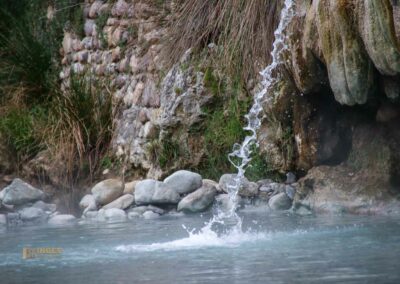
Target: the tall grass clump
pixel 80 127
pixel 242 30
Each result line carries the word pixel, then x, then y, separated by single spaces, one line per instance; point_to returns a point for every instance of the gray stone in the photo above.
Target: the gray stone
pixel 224 203
pixel 280 202
pixel 89 27
pixel 130 187
pixel 120 8
pixel 88 203
pixel 19 192
pixel 184 182
pixel 155 192
pixel 31 214
pixel 150 215
pixel 122 202
pixel 198 200
pixel 156 209
pixel 290 178
pixel 139 210
pixel 209 182
pixel 227 182
pixel 2 194
pixel 45 206
pixel 62 219
pixel 90 214
pixel 114 214
pixel 107 191
pixel 290 191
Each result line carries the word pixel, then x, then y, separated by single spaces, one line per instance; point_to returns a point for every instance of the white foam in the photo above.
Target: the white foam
pixel 204 239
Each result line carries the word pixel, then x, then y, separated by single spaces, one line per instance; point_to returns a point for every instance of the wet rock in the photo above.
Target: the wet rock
pixel 107 191
pixel 62 219
pixel 280 202
pixel 290 191
pixel 122 202
pixel 198 200
pixel 47 207
pixel 150 215
pixel 224 203
pixel 20 192
pixel 32 214
pixel 290 178
pixel 88 203
pixel 184 182
pixel 247 189
pixel 155 192
pixel 112 214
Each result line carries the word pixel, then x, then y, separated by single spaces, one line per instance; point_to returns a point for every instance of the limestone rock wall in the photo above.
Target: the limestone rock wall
pixel 122 45
pixel 356 41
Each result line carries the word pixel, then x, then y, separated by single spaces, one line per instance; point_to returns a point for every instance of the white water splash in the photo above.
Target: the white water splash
pixel 232 234
pixel 242 153
pixel 205 238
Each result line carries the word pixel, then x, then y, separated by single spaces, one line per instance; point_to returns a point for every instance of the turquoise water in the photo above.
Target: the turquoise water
pixel 275 249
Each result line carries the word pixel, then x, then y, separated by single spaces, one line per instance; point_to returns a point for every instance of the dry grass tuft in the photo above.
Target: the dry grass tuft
pixel 243 31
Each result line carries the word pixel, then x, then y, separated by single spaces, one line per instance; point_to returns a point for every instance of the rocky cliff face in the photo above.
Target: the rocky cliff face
pixel 334 112
pixel 340 101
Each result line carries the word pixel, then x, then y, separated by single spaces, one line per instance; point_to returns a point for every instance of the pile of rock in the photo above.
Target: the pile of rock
pixel 21 203
pixel 183 191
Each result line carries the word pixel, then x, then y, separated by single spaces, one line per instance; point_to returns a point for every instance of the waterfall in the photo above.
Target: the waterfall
pixel 241 154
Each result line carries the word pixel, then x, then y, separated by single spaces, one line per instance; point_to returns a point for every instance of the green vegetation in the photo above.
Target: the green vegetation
pixel 166 152
pixel 222 127
pixel 74 126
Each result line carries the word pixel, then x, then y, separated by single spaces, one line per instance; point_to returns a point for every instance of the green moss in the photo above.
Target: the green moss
pixel 166 152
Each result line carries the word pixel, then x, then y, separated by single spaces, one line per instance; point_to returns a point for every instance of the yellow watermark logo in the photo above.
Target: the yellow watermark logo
pixel 28 253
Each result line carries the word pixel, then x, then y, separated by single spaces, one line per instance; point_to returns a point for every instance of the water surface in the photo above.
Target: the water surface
pixel 278 248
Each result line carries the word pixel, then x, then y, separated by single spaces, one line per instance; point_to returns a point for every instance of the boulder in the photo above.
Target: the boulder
pixel 31 214
pixel 130 187
pixel 224 203
pixel 122 202
pixel 155 192
pixel 13 219
pixel 280 202
pixel 88 203
pixel 107 191
pixel 2 194
pixel 184 182
pixel 210 182
pixel 150 215
pixel 290 191
pixel 248 189
pixel 20 192
pixel 198 200
pixel 112 214
pixel 62 219
pixel 47 207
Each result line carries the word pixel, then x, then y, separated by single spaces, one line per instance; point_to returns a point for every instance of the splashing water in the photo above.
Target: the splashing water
pixel 241 155
pixel 228 219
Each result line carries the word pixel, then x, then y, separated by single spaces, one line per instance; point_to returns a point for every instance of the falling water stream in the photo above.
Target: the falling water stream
pixel 225 227
pixel 242 153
